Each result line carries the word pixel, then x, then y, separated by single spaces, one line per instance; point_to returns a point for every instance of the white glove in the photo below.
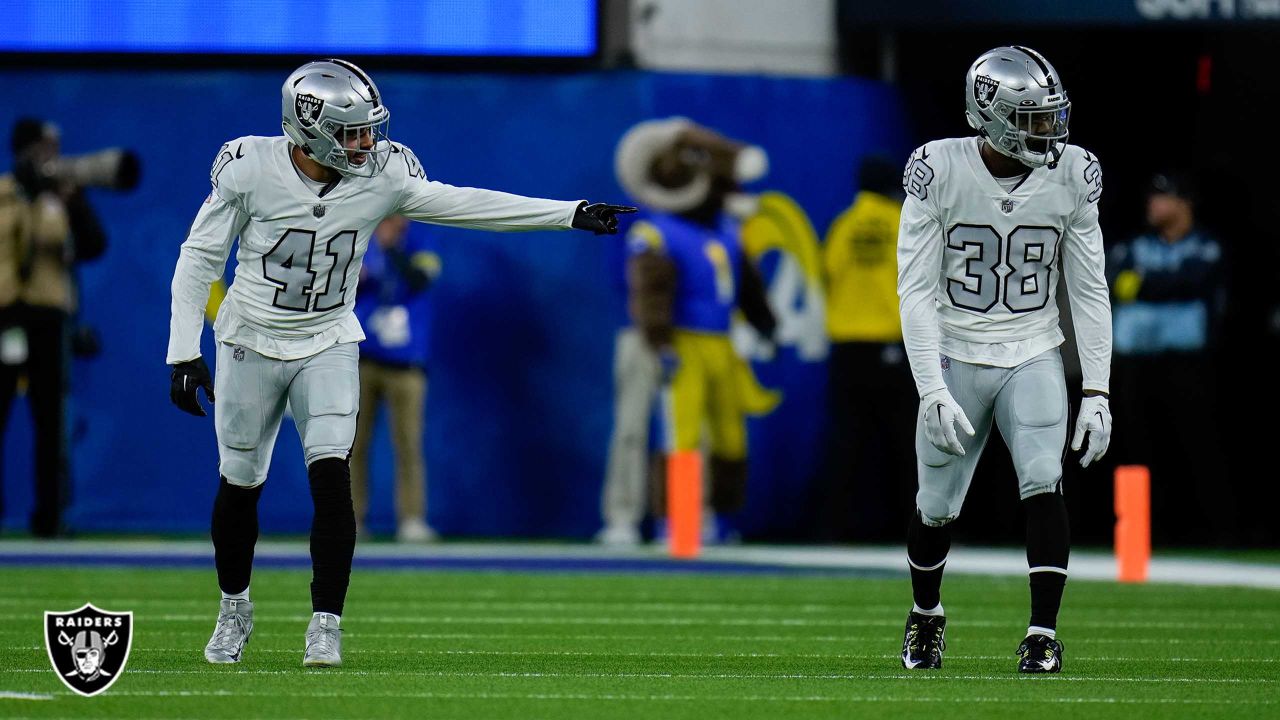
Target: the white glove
pixel 1095 420
pixel 941 415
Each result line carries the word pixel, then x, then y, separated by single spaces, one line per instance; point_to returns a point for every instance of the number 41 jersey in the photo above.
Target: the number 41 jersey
pixel 300 250
pixel 979 263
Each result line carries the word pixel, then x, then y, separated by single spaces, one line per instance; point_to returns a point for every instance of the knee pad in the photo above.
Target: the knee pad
pixel 934 510
pixel 1040 475
pixel 240 468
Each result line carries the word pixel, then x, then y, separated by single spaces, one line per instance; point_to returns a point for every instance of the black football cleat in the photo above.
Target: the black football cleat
pixel 923 643
pixel 1040 654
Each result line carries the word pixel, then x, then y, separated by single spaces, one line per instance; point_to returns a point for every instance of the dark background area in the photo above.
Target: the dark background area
pixel 1144 99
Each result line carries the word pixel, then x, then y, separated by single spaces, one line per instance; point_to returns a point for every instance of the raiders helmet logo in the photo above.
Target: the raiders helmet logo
pixel 307 108
pixel 88 647
pixel 984 90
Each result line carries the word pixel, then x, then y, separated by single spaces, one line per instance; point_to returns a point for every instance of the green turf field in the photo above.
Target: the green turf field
pixel 505 645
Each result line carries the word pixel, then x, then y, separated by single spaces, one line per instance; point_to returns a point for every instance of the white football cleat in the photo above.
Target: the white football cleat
pixel 231 634
pixel 415 531
pixel 324 642
pixel 619 536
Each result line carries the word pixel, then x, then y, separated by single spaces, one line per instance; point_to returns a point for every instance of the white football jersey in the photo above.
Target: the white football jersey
pixel 978 264
pixel 300 250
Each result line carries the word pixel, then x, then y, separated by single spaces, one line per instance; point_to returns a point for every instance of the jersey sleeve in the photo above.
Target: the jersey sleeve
pixel 203 258
pixel 435 202
pixel 1084 264
pixel 919 270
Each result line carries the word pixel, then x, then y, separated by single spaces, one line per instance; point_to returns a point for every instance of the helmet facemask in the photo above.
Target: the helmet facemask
pixel 1036 135
pixel 360 150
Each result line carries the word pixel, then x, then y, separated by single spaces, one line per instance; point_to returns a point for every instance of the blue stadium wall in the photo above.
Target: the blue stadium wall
pixel 520 397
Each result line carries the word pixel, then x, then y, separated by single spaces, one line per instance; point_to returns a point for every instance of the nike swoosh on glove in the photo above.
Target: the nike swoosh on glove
pixel 941 416
pixel 599 218
pixel 186 378
pixel 1095 422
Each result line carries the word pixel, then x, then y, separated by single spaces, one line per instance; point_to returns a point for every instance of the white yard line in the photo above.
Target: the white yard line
pixel 652 697
pixel 701 698
pixel 8 695
pixel 709 655
pixel 681 622
pixel 916 677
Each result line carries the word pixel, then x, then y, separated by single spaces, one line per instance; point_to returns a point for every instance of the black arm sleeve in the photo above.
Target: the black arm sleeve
pixel 752 299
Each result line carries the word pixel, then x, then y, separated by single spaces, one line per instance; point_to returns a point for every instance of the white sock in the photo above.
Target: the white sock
pixel 243 595
pixel 935 612
pixel 1047 632
pixel 337 619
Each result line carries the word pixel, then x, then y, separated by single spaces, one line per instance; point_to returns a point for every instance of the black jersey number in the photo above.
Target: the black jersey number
pixel 1029 253
pixel 289 267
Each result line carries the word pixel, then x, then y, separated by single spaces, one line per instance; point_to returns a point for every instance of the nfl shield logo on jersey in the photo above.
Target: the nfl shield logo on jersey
pixel 1006 206
pixel 318 211
pixel 88 647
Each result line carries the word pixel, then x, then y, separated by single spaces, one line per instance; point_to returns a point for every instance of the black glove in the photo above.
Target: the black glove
pixel 186 378
pixel 599 218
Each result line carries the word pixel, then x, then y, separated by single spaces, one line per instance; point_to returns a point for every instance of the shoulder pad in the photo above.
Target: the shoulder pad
pixel 920 171
pixel 402 156
pixel 1086 171
pixel 242 151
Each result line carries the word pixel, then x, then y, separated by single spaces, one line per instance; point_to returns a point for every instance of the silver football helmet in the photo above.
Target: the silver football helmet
pixel 1015 99
pixel 334 112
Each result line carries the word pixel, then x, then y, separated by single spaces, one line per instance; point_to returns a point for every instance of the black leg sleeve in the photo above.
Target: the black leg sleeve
pixel 927 549
pixel 1048 546
pixel 333 533
pixel 235 532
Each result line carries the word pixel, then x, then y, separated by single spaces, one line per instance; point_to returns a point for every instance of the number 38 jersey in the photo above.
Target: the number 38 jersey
pixel 300 250
pixel 979 264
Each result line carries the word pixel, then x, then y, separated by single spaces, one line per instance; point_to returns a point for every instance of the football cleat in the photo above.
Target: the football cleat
pixel 1040 654
pixel 324 642
pixel 415 531
pixel 231 634
pixel 923 642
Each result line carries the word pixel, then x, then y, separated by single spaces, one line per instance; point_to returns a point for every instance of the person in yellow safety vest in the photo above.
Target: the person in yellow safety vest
pixel 869 479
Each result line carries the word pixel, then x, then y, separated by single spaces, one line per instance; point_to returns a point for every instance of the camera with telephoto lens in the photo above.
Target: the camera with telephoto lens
pixel 112 168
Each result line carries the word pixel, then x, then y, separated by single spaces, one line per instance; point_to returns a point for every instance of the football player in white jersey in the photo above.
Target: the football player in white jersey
pixel 988 224
pixel 304 206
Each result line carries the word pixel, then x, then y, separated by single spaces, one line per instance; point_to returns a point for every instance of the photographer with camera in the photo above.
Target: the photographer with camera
pixel 46 227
